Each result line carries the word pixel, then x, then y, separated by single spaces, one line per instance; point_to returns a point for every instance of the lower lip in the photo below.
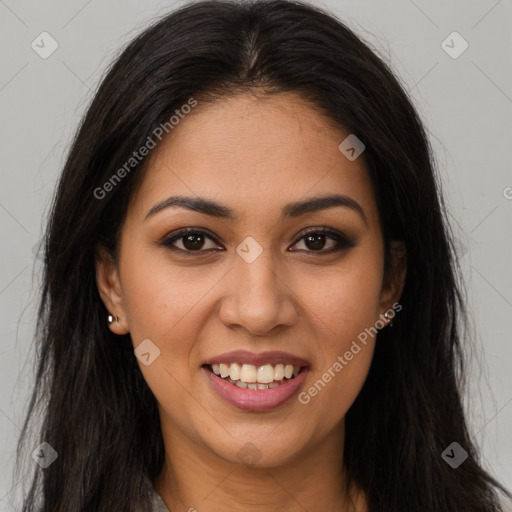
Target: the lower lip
pixel 256 399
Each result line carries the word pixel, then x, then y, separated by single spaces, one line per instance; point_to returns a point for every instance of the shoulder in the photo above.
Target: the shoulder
pixel 506 503
pixel 157 503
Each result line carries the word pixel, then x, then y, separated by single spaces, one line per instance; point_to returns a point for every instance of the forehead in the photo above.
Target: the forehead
pixel 254 153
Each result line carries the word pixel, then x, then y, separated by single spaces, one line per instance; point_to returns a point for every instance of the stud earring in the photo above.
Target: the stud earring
pixel 111 319
pixel 388 317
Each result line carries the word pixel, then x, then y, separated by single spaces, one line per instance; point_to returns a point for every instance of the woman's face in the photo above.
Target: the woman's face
pixel 252 280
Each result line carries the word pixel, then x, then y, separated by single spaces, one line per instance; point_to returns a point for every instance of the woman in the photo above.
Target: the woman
pixel 251 297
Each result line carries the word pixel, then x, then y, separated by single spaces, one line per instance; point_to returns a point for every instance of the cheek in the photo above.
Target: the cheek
pixel 156 295
pixel 345 300
pixel 168 305
pixel 164 305
pixel 346 311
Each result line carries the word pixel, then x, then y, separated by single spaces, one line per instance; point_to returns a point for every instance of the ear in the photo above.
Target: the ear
pixel 109 288
pixel 394 280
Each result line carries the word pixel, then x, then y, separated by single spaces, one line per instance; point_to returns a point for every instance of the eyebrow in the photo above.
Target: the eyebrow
pixel 290 210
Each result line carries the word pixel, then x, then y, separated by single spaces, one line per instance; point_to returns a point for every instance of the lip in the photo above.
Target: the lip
pixel 244 356
pixel 255 400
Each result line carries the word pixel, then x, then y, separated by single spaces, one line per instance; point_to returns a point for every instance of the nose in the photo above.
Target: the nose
pixel 259 296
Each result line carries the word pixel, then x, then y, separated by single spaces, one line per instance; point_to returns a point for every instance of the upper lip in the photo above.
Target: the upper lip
pixel 258 359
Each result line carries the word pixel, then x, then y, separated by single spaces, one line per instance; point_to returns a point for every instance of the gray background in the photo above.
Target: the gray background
pixel 466 103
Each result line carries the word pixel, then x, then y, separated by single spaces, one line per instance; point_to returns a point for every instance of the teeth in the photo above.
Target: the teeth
pixel 255 377
pixel 279 372
pixel 265 374
pixel 224 370
pixel 248 373
pixel 234 371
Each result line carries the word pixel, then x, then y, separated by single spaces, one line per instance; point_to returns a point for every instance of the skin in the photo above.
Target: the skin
pixel 253 153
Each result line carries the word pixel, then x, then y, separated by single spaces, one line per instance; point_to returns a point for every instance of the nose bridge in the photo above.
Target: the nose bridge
pixel 255 273
pixel 258 298
pixel 259 277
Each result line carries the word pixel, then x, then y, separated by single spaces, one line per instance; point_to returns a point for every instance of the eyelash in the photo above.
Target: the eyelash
pixel 343 241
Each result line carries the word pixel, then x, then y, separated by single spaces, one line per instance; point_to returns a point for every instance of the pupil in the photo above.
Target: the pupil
pixel 188 241
pixel 310 238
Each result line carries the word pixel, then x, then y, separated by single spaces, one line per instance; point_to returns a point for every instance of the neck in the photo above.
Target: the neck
pixel 193 477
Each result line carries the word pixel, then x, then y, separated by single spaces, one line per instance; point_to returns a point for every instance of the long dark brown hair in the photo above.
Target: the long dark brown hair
pixel 95 408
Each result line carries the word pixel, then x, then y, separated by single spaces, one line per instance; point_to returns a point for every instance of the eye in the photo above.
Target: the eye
pixel 189 240
pixel 315 240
